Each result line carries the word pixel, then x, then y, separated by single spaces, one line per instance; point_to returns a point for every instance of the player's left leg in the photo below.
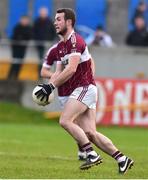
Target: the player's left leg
pixel 88 124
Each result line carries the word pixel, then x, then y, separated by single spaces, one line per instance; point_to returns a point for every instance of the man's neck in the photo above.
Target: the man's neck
pixel 66 36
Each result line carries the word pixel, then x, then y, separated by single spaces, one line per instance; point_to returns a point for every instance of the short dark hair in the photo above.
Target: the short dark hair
pixel 68 14
pixel 99 27
pixel 141 3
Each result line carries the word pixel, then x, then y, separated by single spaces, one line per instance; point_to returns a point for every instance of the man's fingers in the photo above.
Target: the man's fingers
pixel 46 98
pixel 43 97
pixel 40 85
pixel 40 94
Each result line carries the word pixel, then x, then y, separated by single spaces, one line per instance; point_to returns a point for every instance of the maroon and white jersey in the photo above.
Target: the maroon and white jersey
pixel 75 45
pixel 51 58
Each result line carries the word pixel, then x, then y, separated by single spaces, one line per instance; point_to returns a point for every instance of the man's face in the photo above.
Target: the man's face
pixel 140 23
pixel 60 24
pixel 24 21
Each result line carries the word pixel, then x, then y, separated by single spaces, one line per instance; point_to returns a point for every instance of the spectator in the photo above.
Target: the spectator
pixel 102 39
pixel 21 34
pixel 140 11
pixel 43 31
pixel 139 36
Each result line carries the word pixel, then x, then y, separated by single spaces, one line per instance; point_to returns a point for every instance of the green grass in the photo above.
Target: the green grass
pixel 34 147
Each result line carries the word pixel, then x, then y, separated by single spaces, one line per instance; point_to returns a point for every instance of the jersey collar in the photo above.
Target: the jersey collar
pixel 70 34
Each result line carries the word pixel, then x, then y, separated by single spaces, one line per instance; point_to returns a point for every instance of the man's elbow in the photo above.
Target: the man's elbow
pixel 42 73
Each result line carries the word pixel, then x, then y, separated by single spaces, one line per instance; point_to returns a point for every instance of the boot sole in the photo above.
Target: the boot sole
pixel 88 166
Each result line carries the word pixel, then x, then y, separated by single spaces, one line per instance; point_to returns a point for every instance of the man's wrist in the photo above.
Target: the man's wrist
pixel 52 86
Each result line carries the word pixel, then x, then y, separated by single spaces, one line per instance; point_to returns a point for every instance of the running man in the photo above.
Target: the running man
pixel 50 59
pixel 74 68
pixel 46 72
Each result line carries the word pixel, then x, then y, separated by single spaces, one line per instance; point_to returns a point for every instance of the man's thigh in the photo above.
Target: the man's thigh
pixel 87 95
pixel 62 101
pixel 72 109
pixel 87 120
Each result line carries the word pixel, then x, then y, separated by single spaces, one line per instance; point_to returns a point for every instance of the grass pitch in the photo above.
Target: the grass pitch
pixel 34 147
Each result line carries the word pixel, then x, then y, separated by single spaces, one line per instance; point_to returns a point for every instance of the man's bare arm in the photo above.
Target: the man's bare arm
pixel 67 73
pixel 46 72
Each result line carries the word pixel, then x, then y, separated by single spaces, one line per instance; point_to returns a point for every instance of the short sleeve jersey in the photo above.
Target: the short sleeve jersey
pixel 75 45
pixel 51 57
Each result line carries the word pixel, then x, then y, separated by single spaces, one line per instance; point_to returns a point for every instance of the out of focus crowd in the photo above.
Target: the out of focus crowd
pixel 91 25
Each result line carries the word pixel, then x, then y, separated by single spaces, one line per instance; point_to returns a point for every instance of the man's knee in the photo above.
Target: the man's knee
pixel 91 135
pixel 63 123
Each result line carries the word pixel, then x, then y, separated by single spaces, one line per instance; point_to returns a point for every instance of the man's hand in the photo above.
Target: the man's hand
pixel 45 91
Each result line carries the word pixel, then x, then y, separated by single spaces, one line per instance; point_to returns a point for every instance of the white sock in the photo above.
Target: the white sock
pixel 93 153
pixel 120 159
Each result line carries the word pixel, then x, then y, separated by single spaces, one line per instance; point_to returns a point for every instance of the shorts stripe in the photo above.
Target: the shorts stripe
pixel 82 94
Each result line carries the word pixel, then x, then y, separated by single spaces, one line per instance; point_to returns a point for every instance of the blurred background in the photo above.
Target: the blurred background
pixel 114 30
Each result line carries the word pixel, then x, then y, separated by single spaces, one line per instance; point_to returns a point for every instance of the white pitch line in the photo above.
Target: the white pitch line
pixel 48 157
pixel 15 141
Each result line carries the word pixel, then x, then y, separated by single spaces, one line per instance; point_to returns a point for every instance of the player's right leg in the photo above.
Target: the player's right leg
pixel 71 111
pixel 87 127
pixel 81 152
pixel 73 108
pixel 82 156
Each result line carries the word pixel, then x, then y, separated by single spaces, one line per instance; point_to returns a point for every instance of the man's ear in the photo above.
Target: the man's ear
pixel 69 21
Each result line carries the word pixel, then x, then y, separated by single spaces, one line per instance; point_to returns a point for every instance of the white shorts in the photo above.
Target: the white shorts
pixel 87 95
pixel 63 100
